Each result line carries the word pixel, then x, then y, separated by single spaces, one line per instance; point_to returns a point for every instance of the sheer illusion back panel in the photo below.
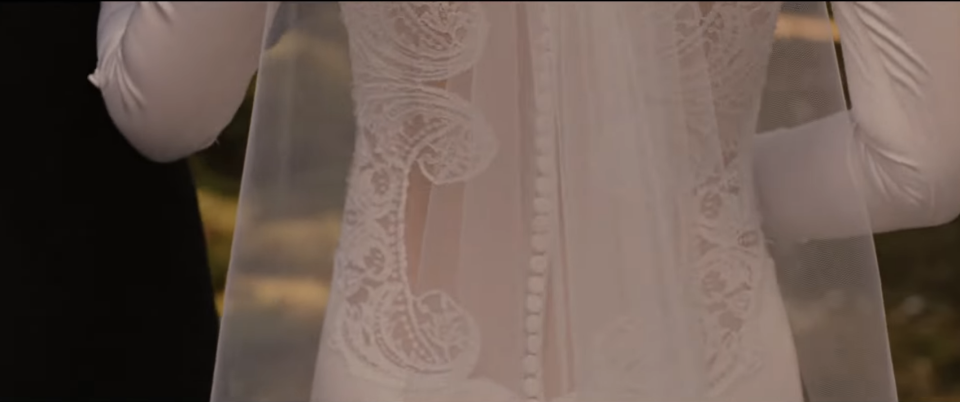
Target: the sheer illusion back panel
pixel 547 202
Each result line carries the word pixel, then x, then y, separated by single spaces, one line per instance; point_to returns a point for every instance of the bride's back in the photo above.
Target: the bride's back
pixel 473 266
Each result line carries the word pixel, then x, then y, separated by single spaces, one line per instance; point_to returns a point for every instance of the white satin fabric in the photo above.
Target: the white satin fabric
pixel 174 73
pixel 903 70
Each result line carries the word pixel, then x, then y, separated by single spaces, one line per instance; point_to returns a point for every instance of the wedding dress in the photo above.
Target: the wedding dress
pixel 567 202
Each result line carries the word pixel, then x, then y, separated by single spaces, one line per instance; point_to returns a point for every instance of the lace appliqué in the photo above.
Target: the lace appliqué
pixel 731 42
pixel 401 53
pixel 728 241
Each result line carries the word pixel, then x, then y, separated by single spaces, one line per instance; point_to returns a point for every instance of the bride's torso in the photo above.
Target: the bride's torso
pixel 388 338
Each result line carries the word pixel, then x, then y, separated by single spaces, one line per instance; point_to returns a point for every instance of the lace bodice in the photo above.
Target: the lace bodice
pixel 417 130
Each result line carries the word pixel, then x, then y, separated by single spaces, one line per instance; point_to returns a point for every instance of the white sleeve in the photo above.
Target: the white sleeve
pixel 173 74
pixel 902 62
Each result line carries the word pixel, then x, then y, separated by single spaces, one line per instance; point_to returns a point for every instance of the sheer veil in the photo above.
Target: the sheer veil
pixel 552 202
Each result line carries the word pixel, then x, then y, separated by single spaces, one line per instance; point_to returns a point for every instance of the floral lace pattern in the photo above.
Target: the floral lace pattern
pixel 401 54
pixel 399 51
pixel 732 41
pixel 728 241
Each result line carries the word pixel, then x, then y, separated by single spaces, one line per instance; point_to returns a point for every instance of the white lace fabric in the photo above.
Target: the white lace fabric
pixel 547 202
pixel 401 53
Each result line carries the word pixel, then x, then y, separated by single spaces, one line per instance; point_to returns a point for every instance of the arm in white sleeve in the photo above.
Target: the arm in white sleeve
pixel 173 74
pixel 901 153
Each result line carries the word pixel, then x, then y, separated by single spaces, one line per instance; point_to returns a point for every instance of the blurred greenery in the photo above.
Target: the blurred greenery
pixel 920 268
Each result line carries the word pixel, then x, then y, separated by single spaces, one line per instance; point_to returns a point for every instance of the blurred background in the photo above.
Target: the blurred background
pixel 920 268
